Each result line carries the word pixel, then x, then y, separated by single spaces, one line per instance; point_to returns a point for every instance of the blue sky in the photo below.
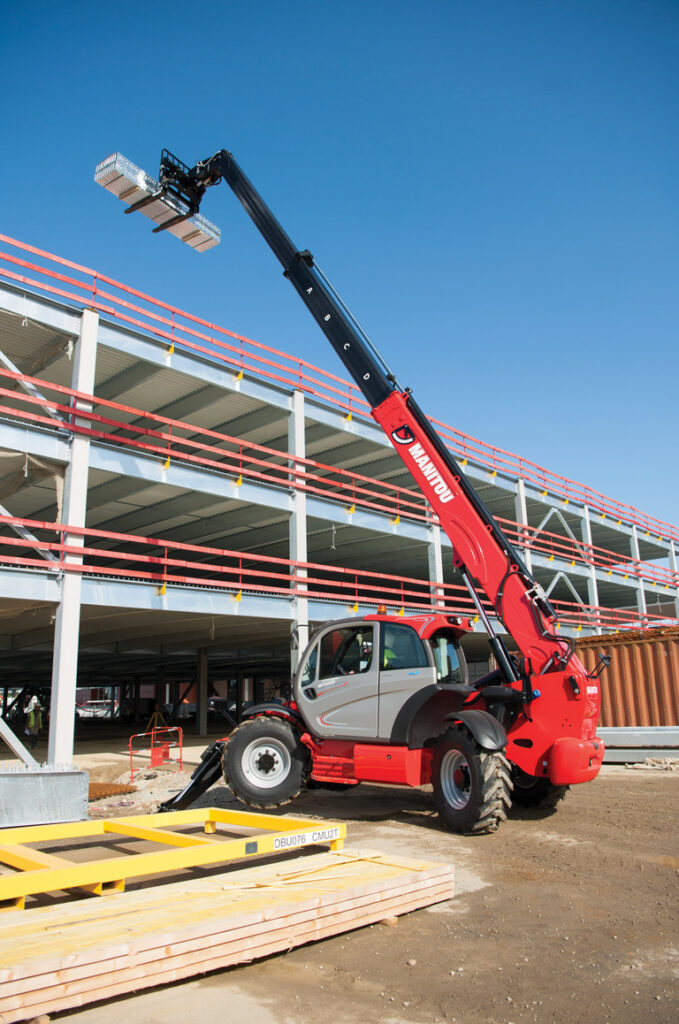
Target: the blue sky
pixel 492 186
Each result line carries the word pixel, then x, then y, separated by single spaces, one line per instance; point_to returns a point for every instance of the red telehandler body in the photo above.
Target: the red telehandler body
pixel 385 698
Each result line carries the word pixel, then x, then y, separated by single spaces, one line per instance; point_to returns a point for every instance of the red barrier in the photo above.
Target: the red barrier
pixel 158 745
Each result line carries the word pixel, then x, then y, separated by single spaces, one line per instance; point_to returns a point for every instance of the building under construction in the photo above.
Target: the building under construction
pixel 176 499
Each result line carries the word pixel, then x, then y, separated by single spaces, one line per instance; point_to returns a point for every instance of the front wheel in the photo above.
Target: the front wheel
pixel 265 764
pixel 531 791
pixel 472 786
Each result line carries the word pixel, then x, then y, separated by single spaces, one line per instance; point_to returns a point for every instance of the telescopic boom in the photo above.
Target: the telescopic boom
pixel 557 736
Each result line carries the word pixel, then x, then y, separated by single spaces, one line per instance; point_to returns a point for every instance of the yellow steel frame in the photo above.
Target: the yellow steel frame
pixel 38 872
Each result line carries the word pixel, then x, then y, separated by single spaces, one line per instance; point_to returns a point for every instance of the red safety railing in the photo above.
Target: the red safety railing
pixel 53 275
pixel 166 439
pixel 162 563
pixel 469 449
pixel 566 549
pixel 88 288
pixel 609 620
pixel 175 440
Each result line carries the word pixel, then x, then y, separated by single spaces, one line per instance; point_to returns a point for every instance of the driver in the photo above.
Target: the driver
pixel 388 656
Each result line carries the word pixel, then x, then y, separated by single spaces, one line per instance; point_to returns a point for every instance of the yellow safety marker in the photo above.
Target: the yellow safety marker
pixel 40 872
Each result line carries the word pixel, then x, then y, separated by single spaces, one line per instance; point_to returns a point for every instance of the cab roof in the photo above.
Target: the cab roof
pixel 426 625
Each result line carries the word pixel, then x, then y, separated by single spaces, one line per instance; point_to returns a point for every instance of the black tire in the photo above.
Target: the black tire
pixel 265 764
pixel 472 786
pixel 531 791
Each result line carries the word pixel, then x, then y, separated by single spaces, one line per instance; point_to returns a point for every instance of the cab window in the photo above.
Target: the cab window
pixel 346 651
pixel 450 664
pixel 401 648
pixel 309 670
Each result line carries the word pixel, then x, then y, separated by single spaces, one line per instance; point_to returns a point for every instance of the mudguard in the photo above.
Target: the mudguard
pixel 277 711
pixel 485 729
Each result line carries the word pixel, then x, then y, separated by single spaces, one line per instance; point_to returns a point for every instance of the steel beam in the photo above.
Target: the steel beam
pixel 16 746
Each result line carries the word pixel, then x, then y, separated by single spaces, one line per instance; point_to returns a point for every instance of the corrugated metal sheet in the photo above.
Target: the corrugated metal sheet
pixel 641 685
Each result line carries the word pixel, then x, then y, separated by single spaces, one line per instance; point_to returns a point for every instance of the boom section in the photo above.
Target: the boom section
pixel 481 550
pixel 364 365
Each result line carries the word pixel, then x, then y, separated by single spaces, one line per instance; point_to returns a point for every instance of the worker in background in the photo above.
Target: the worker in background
pixel 388 657
pixel 33 722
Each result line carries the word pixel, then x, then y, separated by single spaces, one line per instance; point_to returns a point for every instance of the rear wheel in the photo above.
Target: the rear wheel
pixel 265 764
pixel 472 786
pixel 531 791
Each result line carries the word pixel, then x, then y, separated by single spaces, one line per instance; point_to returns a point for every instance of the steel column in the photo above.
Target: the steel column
pixel 675 570
pixel 435 560
pixel 592 588
pixel 201 693
pixel 641 595
pixel 67 620
pixel 522 519
pixel 298 523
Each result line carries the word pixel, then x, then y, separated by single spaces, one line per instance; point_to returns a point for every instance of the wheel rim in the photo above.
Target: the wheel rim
pixel 266 763
pixel 455 775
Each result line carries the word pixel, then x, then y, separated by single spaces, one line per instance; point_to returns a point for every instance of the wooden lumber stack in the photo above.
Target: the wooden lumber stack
pixel 67 955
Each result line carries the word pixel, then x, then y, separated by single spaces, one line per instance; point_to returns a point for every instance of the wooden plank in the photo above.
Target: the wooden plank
pixel 304 872
pixel 154 937
pixel 221 954
pixel 172 968
pixel 195 912
pixel 157 945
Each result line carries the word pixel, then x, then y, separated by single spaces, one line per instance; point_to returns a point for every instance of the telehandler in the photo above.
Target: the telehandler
pixel 387 699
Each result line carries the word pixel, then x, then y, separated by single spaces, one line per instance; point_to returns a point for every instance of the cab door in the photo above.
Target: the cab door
pixel 405 669
pixel 338 688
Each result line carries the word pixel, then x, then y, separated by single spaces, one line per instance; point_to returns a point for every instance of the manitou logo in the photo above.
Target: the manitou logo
pixel 402 435
pixel 430 473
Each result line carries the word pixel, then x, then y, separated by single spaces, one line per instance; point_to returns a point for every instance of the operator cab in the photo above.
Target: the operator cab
pixel 356 677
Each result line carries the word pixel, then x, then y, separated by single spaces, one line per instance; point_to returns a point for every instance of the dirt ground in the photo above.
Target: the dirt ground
pixel 567 917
